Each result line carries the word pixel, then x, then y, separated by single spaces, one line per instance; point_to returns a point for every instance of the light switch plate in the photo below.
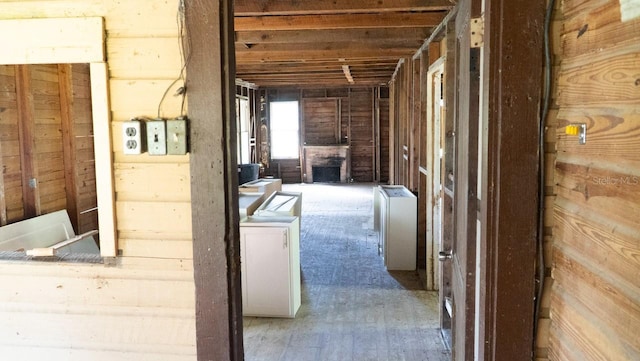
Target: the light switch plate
pixel 132 140
pixel 157 137
pixel 177 136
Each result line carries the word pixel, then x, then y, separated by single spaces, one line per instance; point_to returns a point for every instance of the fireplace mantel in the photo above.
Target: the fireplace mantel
pixel 326 155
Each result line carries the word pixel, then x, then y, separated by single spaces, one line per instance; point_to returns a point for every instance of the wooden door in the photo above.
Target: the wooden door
pixel 435 112
pixel 459 179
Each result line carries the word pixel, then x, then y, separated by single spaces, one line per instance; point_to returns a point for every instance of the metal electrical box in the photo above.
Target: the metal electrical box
pixel 177 136
pixel 157 137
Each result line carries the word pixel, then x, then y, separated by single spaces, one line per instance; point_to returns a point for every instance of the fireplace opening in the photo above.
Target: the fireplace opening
pixel 326 174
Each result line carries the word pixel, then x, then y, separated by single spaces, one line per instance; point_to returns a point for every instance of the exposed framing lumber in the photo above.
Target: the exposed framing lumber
pixel 509 207
pixel 26 124
pixel 68 141
pixel 334 35
pixel 347 73
pixel 293 7
pixel 214 181
pixel 339 21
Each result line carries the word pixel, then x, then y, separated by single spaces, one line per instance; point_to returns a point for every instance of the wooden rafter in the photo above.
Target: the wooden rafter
pixel 339 21
pixel 288 41
pixel 295 7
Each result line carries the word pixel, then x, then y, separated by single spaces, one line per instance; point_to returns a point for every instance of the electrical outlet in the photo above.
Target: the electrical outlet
pixel 177 136
pixel 157 137
pixel 132 140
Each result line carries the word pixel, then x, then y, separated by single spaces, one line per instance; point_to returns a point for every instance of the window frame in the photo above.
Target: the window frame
pixel 74 40
pixel 273 129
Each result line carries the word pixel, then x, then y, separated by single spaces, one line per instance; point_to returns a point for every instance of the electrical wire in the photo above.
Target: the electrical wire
pixel 185 57
pixel 546 100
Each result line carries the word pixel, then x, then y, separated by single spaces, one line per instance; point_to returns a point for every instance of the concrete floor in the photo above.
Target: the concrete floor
pixel 352 308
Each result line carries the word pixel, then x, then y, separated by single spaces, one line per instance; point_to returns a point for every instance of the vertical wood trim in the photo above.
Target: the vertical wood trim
pixel 68 142
pixel 374 128
pixel 3 199
pixel 103 158
pixel 392 132
pixel 214 180
pixel 349 136
pixel 377 138
pixel 26 124
pixel 509 208
pixel 301 136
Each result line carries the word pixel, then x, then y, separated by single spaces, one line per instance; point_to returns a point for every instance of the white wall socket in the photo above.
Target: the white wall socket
pixel 157 137
pixel 132 137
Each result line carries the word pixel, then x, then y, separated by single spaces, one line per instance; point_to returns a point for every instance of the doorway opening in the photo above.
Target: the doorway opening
pixel 352 307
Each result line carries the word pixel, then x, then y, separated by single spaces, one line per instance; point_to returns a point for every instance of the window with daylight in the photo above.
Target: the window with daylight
pixel 284 130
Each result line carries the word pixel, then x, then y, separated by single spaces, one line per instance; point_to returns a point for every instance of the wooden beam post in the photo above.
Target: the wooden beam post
pixel 214 179
pixel 68 142
pixel 26 124
pixel 511 87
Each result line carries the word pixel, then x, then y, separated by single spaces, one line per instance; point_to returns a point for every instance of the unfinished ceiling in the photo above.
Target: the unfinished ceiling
pixel 329 42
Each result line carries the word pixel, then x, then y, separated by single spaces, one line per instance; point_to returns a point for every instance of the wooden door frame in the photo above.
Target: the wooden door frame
pixel 511 83
pixel 214 180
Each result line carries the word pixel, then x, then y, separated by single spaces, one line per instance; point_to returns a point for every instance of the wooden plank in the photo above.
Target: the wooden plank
pixel 25 125
pixel 595 31
pixel 291 7
pixel 214 203
pixel 597 341
pixel 332 35
pixel 51 41
pixel 144 58
pixel 606 191
pixel 615 254
pixel 587 80
pixel 145 103
pixel 103 158
pixel 159 218
pixel 612 133
pixel 131 247
pixel 607 304
pixel 152 182
pixel 338 21
pixel 68 141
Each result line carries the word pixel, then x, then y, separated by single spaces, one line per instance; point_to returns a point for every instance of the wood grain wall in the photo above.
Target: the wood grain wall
pixel 143 307
pixel 340 116
pixel 595 296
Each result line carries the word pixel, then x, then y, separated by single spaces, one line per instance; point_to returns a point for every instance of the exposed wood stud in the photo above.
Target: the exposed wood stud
pixel 347 73
pixel 68 141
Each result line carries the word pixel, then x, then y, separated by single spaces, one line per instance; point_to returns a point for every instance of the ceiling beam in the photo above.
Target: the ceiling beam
pixel 346 35
pixel 296 7
pixel 339 21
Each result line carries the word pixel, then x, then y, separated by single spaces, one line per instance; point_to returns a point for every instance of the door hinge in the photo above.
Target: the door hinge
pixel 477 32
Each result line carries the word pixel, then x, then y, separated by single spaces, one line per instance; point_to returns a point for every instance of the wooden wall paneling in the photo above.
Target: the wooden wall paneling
pixel 68 142
pixel 26 129
pixel 376 133
pixel 8 132
pixel 594 297
pixel 414 128
pixel 419 137
pixel 320 118
pixel 385 153
pixel 48 137
pixel 393 132
pixel 361 125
